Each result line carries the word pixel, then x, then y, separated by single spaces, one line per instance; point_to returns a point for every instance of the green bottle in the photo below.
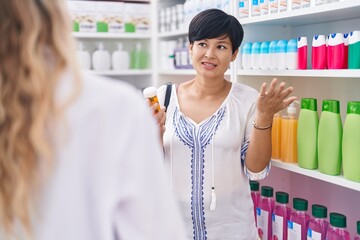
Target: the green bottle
pixel 329 138
pixel 354 50
pixel 307 134
pixel 138 57
pixel 350 142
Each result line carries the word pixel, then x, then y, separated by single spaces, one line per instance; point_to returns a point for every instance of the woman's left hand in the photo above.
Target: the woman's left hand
pixel 274 99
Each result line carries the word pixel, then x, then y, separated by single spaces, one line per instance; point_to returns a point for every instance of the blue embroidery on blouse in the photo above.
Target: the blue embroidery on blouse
pixel 197 140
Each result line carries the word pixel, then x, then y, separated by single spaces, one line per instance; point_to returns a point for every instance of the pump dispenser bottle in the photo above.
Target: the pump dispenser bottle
pixel 330 138
pixel 84 57
pixel 120 58
pixel 289 125
pixel 307 134
pixel 139 57
pixel 101 58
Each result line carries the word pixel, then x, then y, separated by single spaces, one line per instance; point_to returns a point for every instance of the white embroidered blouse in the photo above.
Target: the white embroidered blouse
pixel 206 164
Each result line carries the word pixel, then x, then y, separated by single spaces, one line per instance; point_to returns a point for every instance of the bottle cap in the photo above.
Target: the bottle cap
pixel 100 46
pixel 331 105
pixel 300 204
pixel 309 104
pixel 319 211
pixel 281 46
pixel 335 39
pixel 119 46
pixel 358 227
pixel 272 46
pixel 282 197
pixel 255 48
pixel 301 42
pixel 338 220
pixel 291 108
pixel 267 191
pixel 149 92
pixel 246 49
pixel 264 47
pixel 319 40
pixel 353 107
pixel 346 39
pixel 354 37
pixel 254 185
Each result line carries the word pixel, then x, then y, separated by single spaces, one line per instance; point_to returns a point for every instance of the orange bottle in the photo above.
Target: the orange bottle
pixel 276 136
pixel 289 124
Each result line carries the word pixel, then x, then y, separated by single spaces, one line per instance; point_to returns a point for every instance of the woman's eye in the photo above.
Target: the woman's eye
pixel 202 44
pixel 221 47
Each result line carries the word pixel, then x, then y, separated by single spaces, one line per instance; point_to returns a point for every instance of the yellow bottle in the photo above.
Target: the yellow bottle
pixel 276 136
pixel 289 123
pixel 151 94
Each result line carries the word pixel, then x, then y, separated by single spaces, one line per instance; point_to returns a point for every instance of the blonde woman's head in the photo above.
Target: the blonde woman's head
pixel 36 47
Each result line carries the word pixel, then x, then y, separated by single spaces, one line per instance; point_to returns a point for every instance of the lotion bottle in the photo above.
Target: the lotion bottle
pixel 120 58
pixel 101 58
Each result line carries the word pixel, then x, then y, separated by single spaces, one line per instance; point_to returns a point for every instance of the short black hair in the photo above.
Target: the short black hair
pixel 213 23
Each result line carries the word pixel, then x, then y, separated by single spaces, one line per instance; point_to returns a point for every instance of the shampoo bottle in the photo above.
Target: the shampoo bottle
pixel 354 50
pixel 336 51
pixel 299 220
pixel 264 212
pixel 357 236
pixel 337 228
pixel 255 55
pixel 307 134
pixel 281 54
pixel 318 224
pixel 255 196
pixel 264 56
pixel 276 136
pixel 319 52
pixel 139 57
pixel 272 55
pixel 84 57
pixel 292 54
pixel 330 138
pixel 350 142
pixel 120 58
pixel 280 216
pixel 289 124
pixel 302 52
pixel 101 58
pixel 246 56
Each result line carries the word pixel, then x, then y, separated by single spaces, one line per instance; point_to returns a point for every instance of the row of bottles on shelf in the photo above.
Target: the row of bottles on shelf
pixel 102 60
pixel 275 219
pixel 319 143
pixel 109 16
pixel 336 51
pixel 254 8
pixel 179 16
pixel 175 54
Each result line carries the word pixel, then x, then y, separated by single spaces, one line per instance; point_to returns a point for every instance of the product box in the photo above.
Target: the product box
pixel 137 17
pixel 83 15
pixel 110 17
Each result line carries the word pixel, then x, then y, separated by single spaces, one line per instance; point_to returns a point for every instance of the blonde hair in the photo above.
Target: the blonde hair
pixel 36 48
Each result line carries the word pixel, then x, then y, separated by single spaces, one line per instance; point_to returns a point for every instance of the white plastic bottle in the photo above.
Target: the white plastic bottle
pixel 255 55
pixel 120 58
pixel 292 54
pixel 264 7
pixel 264 56
pixel 101 58
pixel 272 55
pixel 84 57
pixel 246 55
pixel 243 8
pixel 281 54
pixel 255 8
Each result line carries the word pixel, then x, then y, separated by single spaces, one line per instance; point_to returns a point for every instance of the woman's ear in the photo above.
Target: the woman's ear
pixel 190 49
pixel 233 57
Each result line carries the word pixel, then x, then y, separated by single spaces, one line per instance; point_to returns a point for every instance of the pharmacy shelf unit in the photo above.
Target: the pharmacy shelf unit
pixel 335 192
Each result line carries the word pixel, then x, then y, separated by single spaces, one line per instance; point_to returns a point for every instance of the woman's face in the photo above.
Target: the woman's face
pixel 211 57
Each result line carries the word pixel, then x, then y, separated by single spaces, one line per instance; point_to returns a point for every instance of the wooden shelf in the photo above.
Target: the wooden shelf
pixel 337 180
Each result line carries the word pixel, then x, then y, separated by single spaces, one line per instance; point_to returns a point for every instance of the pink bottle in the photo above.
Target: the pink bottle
pixel 255 195
pixel 337 228
pixel 336 51
pixel 264 213
pixel 357 236
pixel 302 52
pixel 319 52
pixel 318 224
pixel 346 46
pixel 280 216
pixel 299 219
